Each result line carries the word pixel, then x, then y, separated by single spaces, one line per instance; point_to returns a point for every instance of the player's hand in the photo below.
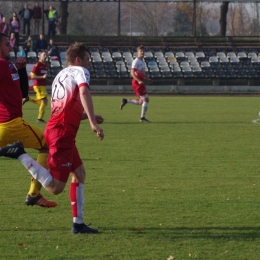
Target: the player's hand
pixel 140 82
pixel 44 76
pixel 99 119
pixel 20 63
pixel 99 131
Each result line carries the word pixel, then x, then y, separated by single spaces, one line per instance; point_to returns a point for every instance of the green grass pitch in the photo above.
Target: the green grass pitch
pixel 186 185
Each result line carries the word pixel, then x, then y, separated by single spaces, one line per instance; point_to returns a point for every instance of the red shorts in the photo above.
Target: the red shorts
pixel 63 153
pixel 140 90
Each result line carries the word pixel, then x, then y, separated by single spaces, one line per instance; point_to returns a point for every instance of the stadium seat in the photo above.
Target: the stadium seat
pixel 184 64
pixel 32 57
pixel 252 74
pixel 155 74
pixel 158 54
pixel 116 55
pixel 148 59
pixel 234 59
pixel 231 74
pixel 93 49
pixel 231 54
pixel 156 49
pixel 177 74
pixel 251 55
pixel 111 74
pixel 198 74
pixel 188 74
pixel 200 54
pixel 242 74
pixel 192 59
pixel 196 68
pixel 124 49
pixel 103 49
pixel 189 54
pixel 186 68
pixel 220 74
pixel 123 74
pixel 223 59
pixel 209 74
pixel 205 64
pixel 221 54
pixel 116 59
pixel 148 54
pixel 175 68
pixel 168 54
pixel 100 74
pixel 166 74
pixel 213 59
pixel 170 59
pixel 164 68
pixel 255 59
pixel 179 54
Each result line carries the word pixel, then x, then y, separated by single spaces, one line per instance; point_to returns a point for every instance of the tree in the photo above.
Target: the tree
pixel 223 18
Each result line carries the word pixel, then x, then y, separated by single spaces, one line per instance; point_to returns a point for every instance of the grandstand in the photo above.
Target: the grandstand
pixel 190 61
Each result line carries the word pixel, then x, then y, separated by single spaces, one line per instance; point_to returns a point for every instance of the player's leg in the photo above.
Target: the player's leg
pixel 42 96
pixel 77 196
pixel 136 101
pixel 145 102
pixel 32 137
pixel 54 186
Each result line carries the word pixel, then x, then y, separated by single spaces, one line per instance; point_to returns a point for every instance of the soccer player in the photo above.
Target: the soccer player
pixel 138 74
pixel 70 98
pixel 39 74
pixel 14 86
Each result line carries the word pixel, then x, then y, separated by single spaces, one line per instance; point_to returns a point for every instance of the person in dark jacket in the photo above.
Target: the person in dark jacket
pixel 37 16
pixel 53 50
pixel 26 16
pixel 41 44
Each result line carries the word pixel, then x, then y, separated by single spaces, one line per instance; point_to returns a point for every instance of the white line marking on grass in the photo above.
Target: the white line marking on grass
pixel 256 121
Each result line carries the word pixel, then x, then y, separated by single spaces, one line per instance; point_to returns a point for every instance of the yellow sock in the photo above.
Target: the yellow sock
pixel 41 110
pixel 35 185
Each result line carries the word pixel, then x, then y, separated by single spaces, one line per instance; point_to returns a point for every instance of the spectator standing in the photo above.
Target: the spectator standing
pixel 29 45
pixel 15 28
pixel 16 16
pixel 13 42
pixel 41 44
pixel 26 16
pixel 52 21
pixel 53 50
pixel 4 26
pixel 37 16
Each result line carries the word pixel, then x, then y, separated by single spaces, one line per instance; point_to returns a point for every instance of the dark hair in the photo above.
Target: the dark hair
pixel 141 47
pixel 2 35
pixel 75 50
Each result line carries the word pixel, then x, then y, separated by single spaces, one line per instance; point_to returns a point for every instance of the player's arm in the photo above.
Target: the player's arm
pixel 87 104
pixel 135 77
pixel 147 78
pixel 34 76
pixel 20 64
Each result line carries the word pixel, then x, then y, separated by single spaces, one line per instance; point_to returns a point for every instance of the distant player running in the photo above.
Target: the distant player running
pixel 138 74
pixel 39 74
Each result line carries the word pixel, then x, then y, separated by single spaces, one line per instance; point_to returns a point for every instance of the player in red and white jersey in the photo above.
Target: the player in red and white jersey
pixel 39 75
pixel 70 98
pixel 138 74
pixel 14 87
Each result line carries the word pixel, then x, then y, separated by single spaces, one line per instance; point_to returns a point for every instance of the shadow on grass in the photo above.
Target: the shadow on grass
pixel 226 233
pixel 175 122
pixel 223 233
